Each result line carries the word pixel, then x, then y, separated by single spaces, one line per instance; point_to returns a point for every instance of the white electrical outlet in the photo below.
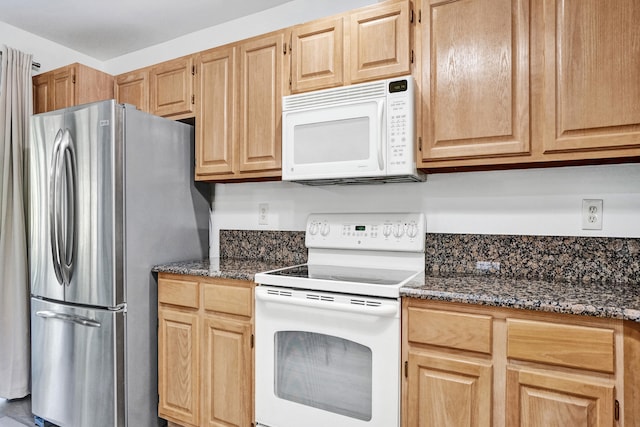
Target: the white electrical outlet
pixel 592 214
pixel 263 214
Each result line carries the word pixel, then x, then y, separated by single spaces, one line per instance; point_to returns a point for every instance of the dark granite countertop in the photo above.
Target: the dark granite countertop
pixel 619 301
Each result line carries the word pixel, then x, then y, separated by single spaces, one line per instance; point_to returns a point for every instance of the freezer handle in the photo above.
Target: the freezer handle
pixel 68 318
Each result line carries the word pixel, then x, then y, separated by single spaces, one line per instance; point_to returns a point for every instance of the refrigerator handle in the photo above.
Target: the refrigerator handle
pixel 79 320
pixel 67 234
pixel 53 206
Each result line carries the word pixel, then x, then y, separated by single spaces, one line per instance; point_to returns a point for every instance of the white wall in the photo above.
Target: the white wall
pixel 50 55
pixel 523 202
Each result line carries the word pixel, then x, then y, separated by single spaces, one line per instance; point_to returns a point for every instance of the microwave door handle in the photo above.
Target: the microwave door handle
pixel 381 135
pixel 54 206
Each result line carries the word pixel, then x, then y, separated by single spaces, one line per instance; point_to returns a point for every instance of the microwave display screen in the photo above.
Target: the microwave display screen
pixel 398 86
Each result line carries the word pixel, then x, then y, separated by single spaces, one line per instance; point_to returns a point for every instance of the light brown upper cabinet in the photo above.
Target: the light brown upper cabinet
pixel 133 88
pixel 68 86
pixel 239 125
pixel 365 44
pixel 171 85
pixel 475 79
pixel 591 75
pixel 379 41
pixel 317 55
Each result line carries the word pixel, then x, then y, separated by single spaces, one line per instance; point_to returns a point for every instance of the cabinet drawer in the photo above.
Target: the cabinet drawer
pixel 461 331
pixel 227 299
pixel 178 292
pixel 564 345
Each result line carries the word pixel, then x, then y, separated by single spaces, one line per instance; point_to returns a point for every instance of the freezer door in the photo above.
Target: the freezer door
pixel 77 365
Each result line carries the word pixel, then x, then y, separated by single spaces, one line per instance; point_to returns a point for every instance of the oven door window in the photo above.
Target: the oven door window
pixel 324 372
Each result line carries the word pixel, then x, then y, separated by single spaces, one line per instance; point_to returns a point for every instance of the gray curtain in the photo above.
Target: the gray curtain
pixel 15 111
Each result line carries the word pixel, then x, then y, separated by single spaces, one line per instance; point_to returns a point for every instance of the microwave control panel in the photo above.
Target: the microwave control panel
pixel 400 126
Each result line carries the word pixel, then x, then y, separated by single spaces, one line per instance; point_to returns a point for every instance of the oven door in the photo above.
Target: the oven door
pixel 326 359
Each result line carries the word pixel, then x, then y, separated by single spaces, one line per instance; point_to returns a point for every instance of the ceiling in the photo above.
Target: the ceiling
pixel 107 29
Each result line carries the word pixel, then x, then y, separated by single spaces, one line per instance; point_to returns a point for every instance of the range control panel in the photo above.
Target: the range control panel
pixel 367 231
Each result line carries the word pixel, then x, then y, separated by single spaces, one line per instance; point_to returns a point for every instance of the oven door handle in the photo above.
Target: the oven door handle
pixel 374 310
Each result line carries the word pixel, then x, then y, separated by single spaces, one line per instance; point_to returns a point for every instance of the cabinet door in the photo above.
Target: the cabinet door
pixel 41 97
pixel 379 42
pixel 133 88
pixel 260 103
pixel 591 77
pixel 178 368
pixel 227 374
pixel 317 55
pixel 171 85
pixel 444 391
pixel 549 399
pixel 215 86
pixel 63 88
pixel 475 79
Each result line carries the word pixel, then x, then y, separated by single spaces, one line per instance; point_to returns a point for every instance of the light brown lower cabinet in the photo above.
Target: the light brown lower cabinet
pixel 468 365
pixel 205 351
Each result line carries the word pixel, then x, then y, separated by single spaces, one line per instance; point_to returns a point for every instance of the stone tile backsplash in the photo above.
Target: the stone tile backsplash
pixel 549 258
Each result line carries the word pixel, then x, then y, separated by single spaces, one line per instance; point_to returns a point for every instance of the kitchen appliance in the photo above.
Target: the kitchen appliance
pixel 327 345
pixel 353 134
pixel 111 194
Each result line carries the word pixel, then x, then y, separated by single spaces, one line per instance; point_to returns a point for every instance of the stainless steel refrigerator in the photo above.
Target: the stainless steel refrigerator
pixel 111 193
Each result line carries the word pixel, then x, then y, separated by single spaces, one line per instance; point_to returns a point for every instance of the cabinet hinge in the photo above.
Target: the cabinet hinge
pixel 616 411
pixel 420 16
pixel 412 56
pixel 73 79
pixel 284 48
pixel 290 80
pixel 193 70
pixel 252 340
pixel 420 143
pixel 193 99
pixel 411 16
pixel 406 369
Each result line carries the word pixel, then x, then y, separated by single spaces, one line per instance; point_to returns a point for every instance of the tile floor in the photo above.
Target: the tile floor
pixel 16 413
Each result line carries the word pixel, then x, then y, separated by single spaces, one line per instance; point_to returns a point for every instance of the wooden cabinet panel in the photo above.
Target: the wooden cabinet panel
pixel 230 299
pixel 178 366
pixel 215 86
pixel 475 79
pixel 562 345
pixel 260 103
pixel 444 391
pixel 227 373
pixel 317 55
pixel 133 88
pixel 450 329
pixel 171 86
pixel 184 293
pixel 546 399
pixel 592 64
pixel 62 88
pixel 379 42
pixel 41 95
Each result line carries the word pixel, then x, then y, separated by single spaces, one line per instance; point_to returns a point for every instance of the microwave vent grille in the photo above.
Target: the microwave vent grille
pixel 336 96
pixel 419 177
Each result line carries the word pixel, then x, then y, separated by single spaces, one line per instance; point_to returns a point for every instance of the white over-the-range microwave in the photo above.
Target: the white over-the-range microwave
pixel 353 134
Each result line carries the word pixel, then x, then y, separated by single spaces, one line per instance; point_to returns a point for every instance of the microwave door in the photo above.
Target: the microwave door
pixel 342 141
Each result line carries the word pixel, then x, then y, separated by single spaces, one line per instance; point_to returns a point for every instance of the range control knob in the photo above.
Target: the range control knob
pixel 313 228
pixel 386 230
pixel 412 229
pixel 398 230
pixel 324 230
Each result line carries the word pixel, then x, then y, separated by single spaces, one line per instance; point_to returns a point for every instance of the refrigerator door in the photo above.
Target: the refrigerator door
pixel 76 205
pixel 46 134
pixel 95 135
pixel 78 371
